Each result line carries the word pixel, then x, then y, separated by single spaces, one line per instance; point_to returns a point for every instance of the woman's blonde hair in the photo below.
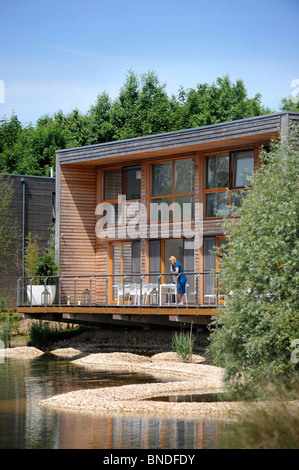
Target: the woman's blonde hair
pixel 172 259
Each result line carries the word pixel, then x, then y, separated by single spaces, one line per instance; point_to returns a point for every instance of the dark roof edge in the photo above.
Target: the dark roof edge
pixel 29 176
pixel 191 129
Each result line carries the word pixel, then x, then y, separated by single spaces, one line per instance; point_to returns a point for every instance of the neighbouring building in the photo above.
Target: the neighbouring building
pixel 33 209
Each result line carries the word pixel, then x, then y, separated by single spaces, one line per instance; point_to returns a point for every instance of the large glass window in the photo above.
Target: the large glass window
pixel 159 254
pixel 124 181
pixel 172 190
pixel 217 172
pixel 216 204
pixel 211 268
pixel 125 264
pixel 243 167
pixel 226 172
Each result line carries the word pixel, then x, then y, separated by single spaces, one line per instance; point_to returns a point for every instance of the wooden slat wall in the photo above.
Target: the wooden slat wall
pixel 77 224
pixel 198 197
pixel 145 193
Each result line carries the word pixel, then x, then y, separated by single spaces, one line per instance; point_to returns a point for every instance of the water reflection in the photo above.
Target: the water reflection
pixel 26 425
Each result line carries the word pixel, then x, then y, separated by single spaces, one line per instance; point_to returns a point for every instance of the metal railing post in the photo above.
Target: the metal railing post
pixel 75 293
pixel 159 293
pixel 31 295
pixel 196 292
pixel 140 297
pixel 18 291
pixel 90 293
pixel 45 296
pixel 176 290
pixel 59 293
pixel 124 290
pixel 107 284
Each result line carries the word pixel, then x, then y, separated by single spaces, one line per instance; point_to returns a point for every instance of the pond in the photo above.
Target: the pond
pixel 26 425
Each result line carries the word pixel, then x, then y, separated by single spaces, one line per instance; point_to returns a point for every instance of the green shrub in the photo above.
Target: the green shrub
pixel 182 344
pixel 6 333
pixel 273 424
pixel 41 335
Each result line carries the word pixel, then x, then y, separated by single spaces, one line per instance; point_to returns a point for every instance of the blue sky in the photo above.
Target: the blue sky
pixel 62 54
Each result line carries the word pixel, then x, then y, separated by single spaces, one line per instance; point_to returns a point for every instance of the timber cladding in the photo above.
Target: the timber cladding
pixel 77 224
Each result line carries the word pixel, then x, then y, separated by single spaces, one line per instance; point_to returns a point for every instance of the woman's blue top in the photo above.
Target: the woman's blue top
pixel 182 278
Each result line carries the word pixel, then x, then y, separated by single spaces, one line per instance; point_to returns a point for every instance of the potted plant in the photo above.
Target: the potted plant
pixel 39 267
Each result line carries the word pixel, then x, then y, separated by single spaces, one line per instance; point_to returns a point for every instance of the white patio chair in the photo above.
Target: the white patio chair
pixel 120 292
pixel 135 292
pixel 147 291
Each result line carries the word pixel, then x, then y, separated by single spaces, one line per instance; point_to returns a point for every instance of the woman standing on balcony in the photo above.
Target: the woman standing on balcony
pixel 177 268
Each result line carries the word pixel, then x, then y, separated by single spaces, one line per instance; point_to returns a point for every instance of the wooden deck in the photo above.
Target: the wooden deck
pixel 96 314
pixel 118 309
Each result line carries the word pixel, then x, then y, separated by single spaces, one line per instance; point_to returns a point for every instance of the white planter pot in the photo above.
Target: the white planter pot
pixel 34 294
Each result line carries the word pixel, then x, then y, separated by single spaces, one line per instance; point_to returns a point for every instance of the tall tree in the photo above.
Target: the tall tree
pixel 142 107
pixel 289 104
pixel 100 128
pixel 9 234
pixel 219 102
pixel 252 337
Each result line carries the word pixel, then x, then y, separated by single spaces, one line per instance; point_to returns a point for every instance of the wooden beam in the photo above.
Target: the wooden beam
pixel 118 309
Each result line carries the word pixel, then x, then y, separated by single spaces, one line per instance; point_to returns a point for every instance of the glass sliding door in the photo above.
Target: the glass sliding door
pixel 159 254
pixel 154 260
pixel 124 263
pixel 210 267
pixel 136 264
pixel 172 247
pixel 209 264
pixel 189 267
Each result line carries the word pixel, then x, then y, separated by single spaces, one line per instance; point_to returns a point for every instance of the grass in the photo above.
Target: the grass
pixel 42 334
pixel 273 424
pixel 182 344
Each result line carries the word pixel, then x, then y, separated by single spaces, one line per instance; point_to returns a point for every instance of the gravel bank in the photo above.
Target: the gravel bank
pixel 21 352
pixel 137 351
pixel 188 378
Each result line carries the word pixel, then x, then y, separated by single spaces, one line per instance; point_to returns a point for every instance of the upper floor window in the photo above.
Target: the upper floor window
pixel 125 181
pixel 122 181
pixel 223 172
pixel 172 190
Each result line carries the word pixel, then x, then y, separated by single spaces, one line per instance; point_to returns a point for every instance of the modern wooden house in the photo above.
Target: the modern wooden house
pixel 124 207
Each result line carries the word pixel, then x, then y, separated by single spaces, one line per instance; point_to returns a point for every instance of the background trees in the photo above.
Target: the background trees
pixel 9 234
pixel 252 337
pixel 142 107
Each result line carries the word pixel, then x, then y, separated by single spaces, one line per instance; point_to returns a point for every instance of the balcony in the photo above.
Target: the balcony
pixel 72 297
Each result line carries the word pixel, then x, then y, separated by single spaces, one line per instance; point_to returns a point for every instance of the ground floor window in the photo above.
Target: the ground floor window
pixel 124 265
pixel 211 267
pixel 159 253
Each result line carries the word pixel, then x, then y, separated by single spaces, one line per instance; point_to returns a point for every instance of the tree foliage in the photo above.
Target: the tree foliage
pixel 142 107
pixel 9 234
pixel 252 336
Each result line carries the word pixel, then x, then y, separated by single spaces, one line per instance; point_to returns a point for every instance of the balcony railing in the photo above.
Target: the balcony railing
pixel 123 290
